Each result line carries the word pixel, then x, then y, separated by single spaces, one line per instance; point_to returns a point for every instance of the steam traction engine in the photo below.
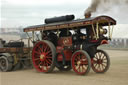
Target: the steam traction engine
pixel 15 55
pixel 68 44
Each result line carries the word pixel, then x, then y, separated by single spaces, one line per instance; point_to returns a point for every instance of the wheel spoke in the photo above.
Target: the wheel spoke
pixel 42 68
pixel 99 55
pixel 104 59
pixel 84 62
pixel 45 49
pixel 83 68
pixel 47 61
pixel 103 56
pixel 37 52
pixel 95 65
pixel 44 64
pixel 40 49
pixel 39 64
pixel 37 59
pixel 83 57
pixel 96 56
pixel 104 62
pixel 78 57
pixel 99 67
pixel 103 65
pixel 47 66
pixel 78 69
pixel 94 61
pixel 48 53
pixel 49 57
pixel 50 60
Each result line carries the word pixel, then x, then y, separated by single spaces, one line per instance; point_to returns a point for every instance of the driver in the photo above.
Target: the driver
pixel 65 33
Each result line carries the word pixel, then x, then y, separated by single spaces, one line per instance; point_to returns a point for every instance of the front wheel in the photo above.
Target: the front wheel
pixel 81 62
pixel 100 62
pixel 5 65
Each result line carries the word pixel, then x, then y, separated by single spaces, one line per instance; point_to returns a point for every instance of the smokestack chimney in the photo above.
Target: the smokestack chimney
pixel 87 15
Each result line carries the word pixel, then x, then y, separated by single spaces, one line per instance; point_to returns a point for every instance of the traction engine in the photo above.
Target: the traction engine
pixel 68 44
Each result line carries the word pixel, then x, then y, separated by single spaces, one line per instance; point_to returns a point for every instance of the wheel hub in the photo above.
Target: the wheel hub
pixel 99 61
pixel 3 63
pixel 78 62
pixel 42 57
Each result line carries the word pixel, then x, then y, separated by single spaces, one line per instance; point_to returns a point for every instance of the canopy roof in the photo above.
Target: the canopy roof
pixel 102 20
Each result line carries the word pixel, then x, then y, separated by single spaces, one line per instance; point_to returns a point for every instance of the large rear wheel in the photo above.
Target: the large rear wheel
pixel 43 56
pixel 100 62
pixel 81 62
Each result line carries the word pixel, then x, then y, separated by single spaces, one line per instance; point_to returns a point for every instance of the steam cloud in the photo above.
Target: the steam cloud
pixel 104 5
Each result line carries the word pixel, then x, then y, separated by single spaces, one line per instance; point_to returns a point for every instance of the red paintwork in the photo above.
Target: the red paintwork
pixel 67 54
pixel 59 49
pixel 104 42
pixel 65 41
pixel 94 41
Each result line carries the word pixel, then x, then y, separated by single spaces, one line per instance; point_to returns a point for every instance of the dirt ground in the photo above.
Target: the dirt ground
pixel 116 75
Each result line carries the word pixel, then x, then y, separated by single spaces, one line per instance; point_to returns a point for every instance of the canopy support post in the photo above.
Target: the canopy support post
pixel 109 30
pixel 112 31
pixel 41 32
pixel 97 30
pixel 33 36
pixel 29 37
pixel 58 33
pixel 94 31
pixel 37 36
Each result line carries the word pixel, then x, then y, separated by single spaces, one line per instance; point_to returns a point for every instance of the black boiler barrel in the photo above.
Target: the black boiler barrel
pixel 59 19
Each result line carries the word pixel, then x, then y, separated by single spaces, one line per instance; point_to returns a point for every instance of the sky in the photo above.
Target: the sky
pixel 16 13
pixel 22 13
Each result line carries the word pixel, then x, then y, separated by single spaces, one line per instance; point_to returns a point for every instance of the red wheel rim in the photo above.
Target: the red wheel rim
pixel 99 62
pixel 79 63
pixel 42 56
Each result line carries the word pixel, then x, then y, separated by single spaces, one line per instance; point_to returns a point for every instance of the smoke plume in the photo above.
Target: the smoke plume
pixel 104 5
